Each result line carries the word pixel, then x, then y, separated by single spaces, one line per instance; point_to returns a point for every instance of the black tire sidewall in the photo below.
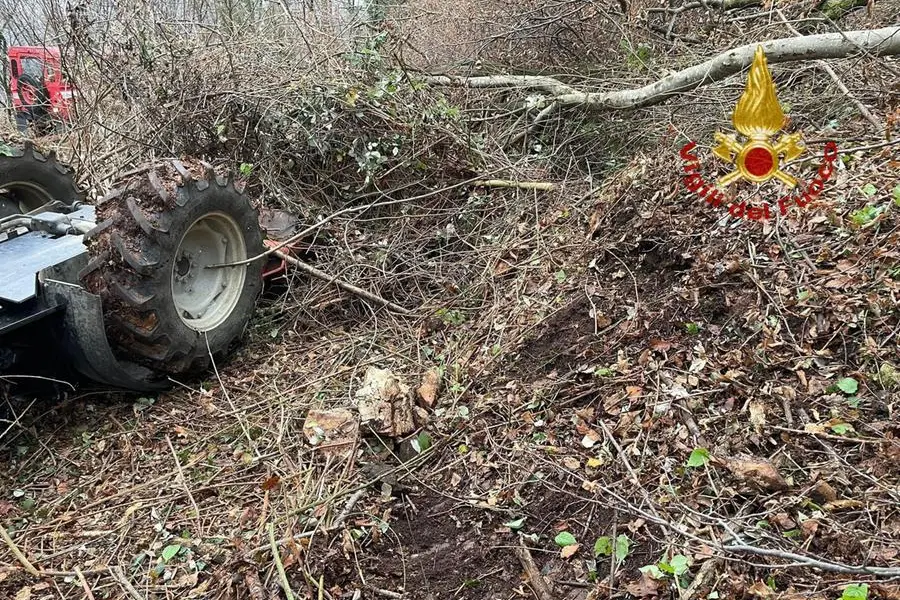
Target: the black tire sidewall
pixel 45 173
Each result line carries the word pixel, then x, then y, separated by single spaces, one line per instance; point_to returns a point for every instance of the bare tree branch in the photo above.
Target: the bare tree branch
pixel 878 42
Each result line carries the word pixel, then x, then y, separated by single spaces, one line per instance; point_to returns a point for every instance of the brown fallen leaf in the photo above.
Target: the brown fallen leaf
pixel 886 591
pixel 842 505
pixel 758 472
pixel 660 345
pixel 823 492
pixel 271 483
pixel 783 521
pixel 569 551
pixel 428 390
pixel 645 587
pixel 760 590
pixel 808 528
pixel 255 588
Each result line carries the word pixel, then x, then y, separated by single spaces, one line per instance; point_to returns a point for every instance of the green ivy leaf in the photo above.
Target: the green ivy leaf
pixel 603 546
pixel 560 276
pixel 623 547
pixel 856 591
pixel 679 564
pixel 652 571
pixel 698 458
pixel 169 552
pixel 515 524
pixel 896 193
pixel 865 215
pixel 421 443
pixel 841 428
pixel 564 538
pixel 869 189
pixel 848 385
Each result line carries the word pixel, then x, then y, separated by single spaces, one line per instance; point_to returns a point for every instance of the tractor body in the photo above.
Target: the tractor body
pixel 40 93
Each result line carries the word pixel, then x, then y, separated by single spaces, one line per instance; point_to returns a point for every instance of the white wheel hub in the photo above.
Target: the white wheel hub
pixel 203 297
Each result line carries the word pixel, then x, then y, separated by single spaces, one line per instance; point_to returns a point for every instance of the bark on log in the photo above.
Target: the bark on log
pixel 878 42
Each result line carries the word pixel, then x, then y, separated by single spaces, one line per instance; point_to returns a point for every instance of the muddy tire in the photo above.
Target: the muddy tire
pixel 157 233
pixel 30 179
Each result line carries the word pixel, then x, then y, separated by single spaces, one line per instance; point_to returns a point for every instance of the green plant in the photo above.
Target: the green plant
pixel 677 567
pixel 865 215
pixel 856 591
pixel 841 428
pixel 604 546
pixel 564 538
pixel 451 316
pixel 169 552
pixel 848 385
pixel 692 328
pixel 699 457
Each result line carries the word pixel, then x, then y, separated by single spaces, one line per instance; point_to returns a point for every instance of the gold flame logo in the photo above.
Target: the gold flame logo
pixel 758 116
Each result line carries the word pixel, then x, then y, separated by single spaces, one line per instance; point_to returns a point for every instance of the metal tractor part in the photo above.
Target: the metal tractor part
pixel 130 291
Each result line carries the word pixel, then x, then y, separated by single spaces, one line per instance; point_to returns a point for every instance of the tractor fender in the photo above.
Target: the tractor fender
pixel 85 341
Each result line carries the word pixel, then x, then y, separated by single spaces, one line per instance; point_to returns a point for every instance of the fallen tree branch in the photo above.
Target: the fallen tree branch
pixel 865 112
pixel 311 270
pixel 538 584
pixel 879 42
pixel 540 118
pixel 522 185
pixel 724 5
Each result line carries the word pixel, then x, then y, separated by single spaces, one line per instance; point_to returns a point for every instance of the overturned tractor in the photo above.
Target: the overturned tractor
pixel 157 280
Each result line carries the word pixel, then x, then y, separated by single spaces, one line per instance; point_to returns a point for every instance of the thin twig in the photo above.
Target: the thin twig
pixel 522 185
pixel 311 270
pixel 84 584
pixel 119 576
pixel 187 489
pixel 18 553
pixel 285 585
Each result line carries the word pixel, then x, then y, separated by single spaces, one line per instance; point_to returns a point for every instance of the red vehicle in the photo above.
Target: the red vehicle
pixel 40 93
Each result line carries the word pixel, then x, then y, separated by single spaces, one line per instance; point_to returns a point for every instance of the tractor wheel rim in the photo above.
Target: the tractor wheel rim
pixel 204 298
pixel 29 196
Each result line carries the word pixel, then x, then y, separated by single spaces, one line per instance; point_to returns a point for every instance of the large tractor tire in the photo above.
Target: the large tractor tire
pixel 29 180
pixel 158 232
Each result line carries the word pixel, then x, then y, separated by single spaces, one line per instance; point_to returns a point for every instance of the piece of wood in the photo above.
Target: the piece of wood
pixel 538 583
pixel 543 186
